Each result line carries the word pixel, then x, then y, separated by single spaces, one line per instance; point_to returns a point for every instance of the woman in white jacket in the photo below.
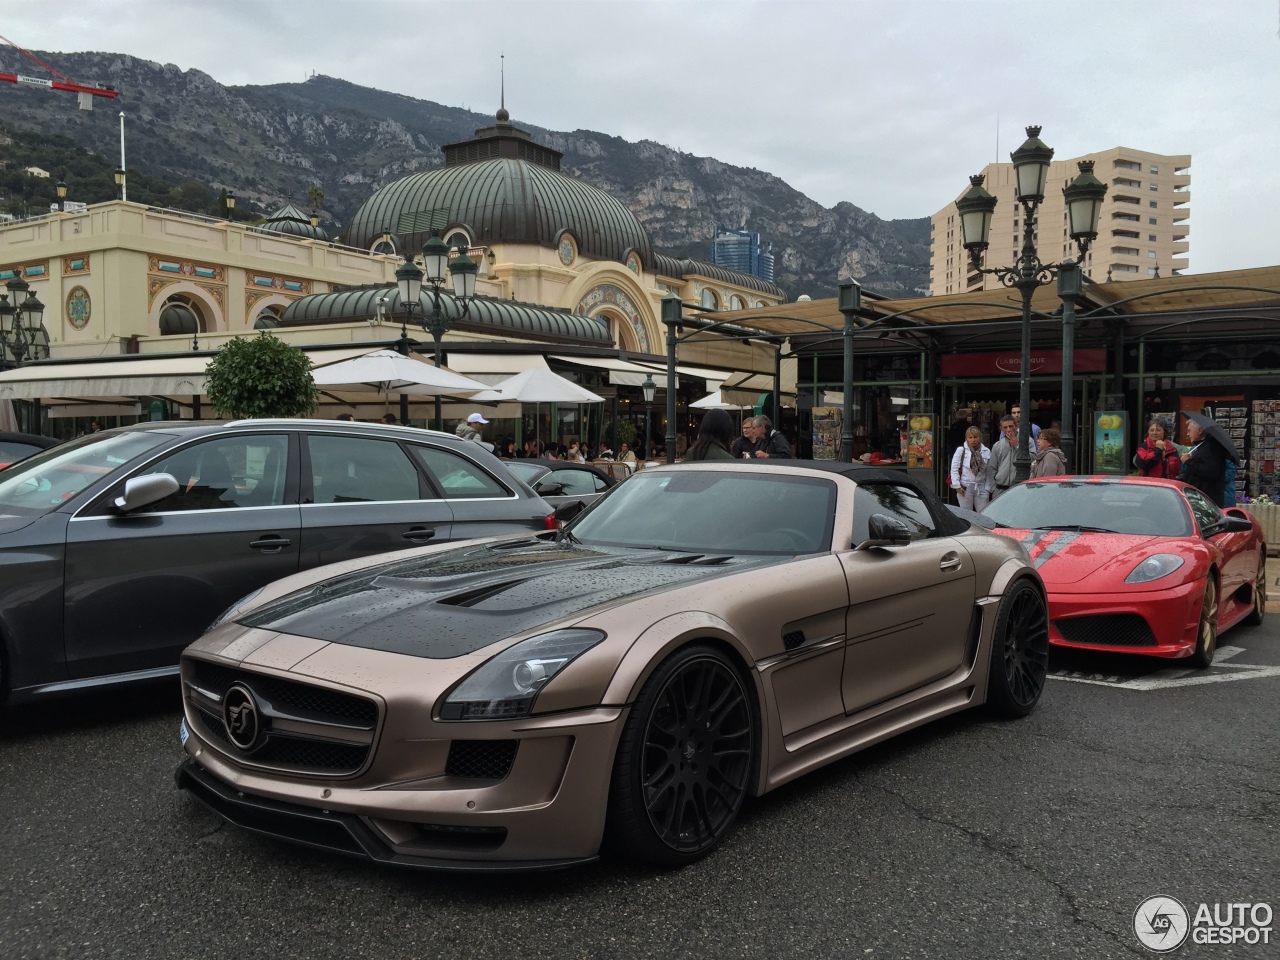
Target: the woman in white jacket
pixel 970 476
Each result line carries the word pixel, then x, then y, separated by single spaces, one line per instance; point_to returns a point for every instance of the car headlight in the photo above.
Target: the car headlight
pixel 1153 568
pixel 235 608
pixel 507 685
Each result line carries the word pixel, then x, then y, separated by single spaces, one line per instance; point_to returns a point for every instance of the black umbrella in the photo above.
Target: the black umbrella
pixel 1214 431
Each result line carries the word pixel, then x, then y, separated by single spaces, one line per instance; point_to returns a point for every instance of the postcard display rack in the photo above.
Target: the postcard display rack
pixel 1264 449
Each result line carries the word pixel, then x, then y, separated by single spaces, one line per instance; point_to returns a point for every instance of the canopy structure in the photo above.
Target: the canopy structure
pixel 386 371
pixel 717 401
pixel 538 386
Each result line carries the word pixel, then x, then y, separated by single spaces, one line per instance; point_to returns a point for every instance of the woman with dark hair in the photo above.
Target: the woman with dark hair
pixel 714 438
pixel 1158 457
pixel 1050 461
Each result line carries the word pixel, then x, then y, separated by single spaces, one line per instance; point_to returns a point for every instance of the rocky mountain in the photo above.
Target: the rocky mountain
pixel 271 143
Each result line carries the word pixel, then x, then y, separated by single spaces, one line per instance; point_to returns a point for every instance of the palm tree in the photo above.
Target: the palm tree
pixel 315 196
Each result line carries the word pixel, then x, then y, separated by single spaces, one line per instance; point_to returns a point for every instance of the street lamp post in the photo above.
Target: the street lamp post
pixel 231 204
pixel 62 196
pixel 850 304
pixel 1083 197
pixel 22 333
pixel 462 271
pixel 649 388
pixel 672 307
pixel 119 183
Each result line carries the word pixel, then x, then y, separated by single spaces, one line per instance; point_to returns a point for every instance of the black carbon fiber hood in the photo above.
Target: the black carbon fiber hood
pixel 448 604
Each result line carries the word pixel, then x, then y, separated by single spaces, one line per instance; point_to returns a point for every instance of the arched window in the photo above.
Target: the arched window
pixel 269 319
pixel 459 239
pixel 736 303
pixel 385 244
pixel 181 315
pixel 709 301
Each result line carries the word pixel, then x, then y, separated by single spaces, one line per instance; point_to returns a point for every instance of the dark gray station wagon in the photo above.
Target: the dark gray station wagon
pixel 120 548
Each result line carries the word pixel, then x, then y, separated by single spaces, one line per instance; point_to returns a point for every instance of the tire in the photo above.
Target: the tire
pixel 1207 630
pixel 676 788
pixel 1259 611
pixel 1019 652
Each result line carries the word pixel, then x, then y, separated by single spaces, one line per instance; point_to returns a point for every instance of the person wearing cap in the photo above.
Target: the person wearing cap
pixel 470 429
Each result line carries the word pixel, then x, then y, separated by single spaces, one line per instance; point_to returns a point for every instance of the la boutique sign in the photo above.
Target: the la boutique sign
pixel 1012 362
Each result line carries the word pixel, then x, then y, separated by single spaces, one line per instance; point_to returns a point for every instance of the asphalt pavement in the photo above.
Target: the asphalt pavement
pixel 969 838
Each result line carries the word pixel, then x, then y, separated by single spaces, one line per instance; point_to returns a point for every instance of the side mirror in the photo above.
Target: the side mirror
pixel 143 491
pixel 550 489
pixel 885 531
pixel 1228 524
pixel 567 511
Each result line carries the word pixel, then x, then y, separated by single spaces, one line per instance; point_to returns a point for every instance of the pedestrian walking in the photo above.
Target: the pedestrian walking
pixel 1157 456
pixel 1050 461
pixel 715 436
pixel 469 429
pixel 970 474
pixel 1003 470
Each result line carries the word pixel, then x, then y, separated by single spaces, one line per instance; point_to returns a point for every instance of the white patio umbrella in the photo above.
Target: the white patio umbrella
pixel 715 401
pixel 537 386
pixel 389 372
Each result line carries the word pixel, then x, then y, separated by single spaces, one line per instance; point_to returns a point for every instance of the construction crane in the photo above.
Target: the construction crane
pixel 84 92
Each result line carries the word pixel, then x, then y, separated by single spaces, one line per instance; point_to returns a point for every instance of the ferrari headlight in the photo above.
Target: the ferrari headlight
pixel 235 608
pixel 508 684
pixel 1153 568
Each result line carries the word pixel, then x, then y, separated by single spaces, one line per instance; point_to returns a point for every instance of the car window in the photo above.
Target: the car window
pixel 457 476
pixel 46 480
pixel 237 471
pixel 1136 509
pixel 1205 510
pixel 528 472
pixel 574 482
pixel 11 450
pixel 896 501
pixel 360 470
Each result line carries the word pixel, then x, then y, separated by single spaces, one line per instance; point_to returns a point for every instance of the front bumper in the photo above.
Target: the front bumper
pixel 1156 623
pixel 334 831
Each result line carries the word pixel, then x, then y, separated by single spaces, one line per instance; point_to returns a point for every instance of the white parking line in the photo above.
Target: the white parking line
pixel 1179 676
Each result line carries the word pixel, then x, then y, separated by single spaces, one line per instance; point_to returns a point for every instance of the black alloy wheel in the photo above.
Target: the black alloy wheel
pixel 684 761
pixel 1020 651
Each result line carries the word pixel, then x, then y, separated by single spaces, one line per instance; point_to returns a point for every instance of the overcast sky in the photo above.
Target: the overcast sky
pixel 889 104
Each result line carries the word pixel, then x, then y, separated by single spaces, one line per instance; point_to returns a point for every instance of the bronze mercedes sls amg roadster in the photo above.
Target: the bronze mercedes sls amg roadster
pixel 703 633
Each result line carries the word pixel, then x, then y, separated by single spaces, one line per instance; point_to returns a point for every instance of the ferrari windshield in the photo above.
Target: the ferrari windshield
pixel 1131 508
pixel 705 511
pixel 44 482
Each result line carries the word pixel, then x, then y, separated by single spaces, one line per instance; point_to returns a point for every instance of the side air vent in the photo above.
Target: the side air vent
pixel 793 639
pixel 469 598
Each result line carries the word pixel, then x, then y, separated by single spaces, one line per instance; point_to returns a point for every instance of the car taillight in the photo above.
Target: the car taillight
pixel 551 522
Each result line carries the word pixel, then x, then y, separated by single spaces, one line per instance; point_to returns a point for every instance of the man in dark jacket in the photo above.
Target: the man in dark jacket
pixel 769 442
pixel 745 445
pixel 1205 466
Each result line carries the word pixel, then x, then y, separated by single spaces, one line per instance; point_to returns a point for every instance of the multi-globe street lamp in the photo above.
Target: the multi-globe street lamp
pixel 1083 197
pixel 409 279
pixel 649 388
pixel 22 333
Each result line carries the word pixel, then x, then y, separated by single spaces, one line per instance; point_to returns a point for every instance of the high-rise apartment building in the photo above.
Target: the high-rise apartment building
pixel 1143 230
pixel 740 250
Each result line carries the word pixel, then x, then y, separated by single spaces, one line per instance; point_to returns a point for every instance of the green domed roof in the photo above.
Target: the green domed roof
pixel 501 200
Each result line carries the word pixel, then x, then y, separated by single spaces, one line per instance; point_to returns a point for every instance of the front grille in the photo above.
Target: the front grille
pixel 1107 630
pixel 481 759
pixel 326 721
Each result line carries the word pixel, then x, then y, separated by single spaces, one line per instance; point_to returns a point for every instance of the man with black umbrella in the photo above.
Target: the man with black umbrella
pixel 1205 465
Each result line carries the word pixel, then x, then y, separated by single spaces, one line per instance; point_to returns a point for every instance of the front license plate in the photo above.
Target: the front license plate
pixel 183 732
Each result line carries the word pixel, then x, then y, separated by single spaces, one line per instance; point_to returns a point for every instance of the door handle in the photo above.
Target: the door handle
pixel 419 534
pixel 949 562
pixel 270 543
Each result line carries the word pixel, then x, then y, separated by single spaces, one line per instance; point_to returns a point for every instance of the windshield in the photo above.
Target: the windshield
pixel 1131 508
pixel 44 482
pixel 714 512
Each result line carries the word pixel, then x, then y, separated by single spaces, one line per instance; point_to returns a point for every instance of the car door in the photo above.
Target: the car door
pixel 910 606
pixel 142 586
pixel 482 505
pixel 1238 562
pixel 363 495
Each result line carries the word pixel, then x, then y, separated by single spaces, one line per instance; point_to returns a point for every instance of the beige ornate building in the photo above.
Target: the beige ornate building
pixel 1143 231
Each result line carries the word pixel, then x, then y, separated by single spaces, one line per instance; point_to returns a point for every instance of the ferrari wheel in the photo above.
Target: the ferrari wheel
pixel 1259 611
pixel 1207 633
pixel 684 761
pixel 1020 652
